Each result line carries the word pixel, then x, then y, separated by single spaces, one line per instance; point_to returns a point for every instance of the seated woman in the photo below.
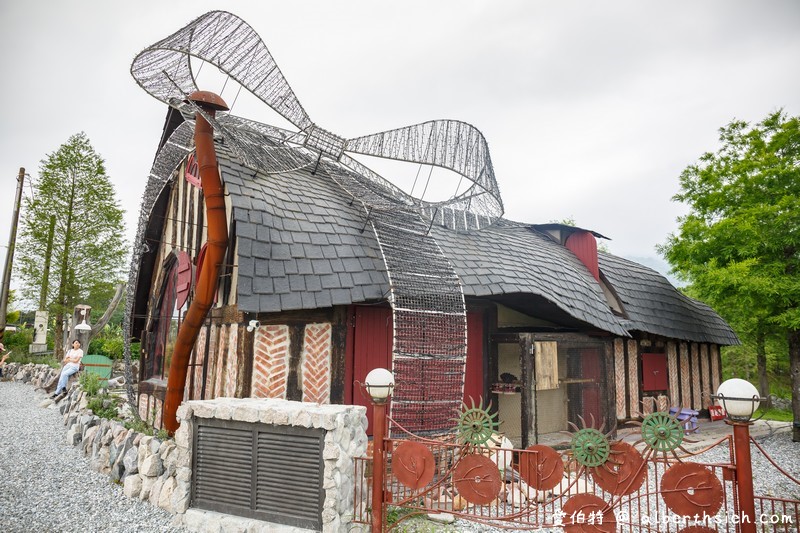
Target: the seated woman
pixel 72 363
pixel 3 360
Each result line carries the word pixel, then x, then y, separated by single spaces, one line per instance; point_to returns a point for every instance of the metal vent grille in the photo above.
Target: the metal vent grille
pixel 258 471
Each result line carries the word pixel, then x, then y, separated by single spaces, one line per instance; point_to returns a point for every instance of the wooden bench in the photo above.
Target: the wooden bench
pixel 98 364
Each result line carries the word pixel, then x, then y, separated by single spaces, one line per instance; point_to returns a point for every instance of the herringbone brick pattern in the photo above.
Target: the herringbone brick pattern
pixel 715 377
pixel 686 384
pixel 696 390
pixel 231 367
pixel 270 362
pixel 619 379
pixel 316 363
pixel 674 376
pixel 199 359
pixel 705 398
pixel 219 364
pixel 633 377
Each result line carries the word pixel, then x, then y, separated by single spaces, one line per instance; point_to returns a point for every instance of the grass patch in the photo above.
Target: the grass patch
pixel 779 415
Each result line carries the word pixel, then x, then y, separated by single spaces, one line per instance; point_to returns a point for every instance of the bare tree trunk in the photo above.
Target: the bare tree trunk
pixel 761 362
pixel 58 345
pixel 794 370
pixel 100 324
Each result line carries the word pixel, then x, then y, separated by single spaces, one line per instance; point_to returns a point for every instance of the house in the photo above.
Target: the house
pixel 319 286
pixel 613 339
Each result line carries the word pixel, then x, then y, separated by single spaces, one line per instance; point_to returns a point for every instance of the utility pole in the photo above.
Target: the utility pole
pixel 10 254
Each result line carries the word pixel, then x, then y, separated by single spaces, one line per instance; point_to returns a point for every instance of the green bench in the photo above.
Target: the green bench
pixel 98 364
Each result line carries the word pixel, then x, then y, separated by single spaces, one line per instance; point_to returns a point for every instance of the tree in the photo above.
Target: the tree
pixel 88 248
pixel 739 245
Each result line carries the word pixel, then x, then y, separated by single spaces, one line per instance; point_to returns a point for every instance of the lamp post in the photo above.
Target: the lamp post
pixel 379 384
pixel 740 400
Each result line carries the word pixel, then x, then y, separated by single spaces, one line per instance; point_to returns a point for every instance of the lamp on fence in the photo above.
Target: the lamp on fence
pixel 740 399
pixel 379 384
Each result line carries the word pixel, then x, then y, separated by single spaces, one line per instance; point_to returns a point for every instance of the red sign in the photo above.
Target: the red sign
pixel 193 171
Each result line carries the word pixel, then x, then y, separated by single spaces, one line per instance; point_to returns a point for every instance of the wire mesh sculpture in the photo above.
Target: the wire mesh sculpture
pixel 429 349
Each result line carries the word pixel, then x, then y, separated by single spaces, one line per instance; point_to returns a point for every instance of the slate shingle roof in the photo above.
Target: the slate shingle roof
pixel 304 245
pixel 653 305
pixel 300 242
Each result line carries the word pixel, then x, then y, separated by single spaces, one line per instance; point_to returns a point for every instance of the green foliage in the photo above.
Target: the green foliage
pixel 88 249
pixel 90 383
pixel 104 406
pixel 108 342
pixel 739 245
pixel 162 435
pixel 17 342
pixel 139 426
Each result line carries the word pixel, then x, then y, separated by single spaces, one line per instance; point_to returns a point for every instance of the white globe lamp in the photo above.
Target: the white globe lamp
pixel 379 383
pixel 739 398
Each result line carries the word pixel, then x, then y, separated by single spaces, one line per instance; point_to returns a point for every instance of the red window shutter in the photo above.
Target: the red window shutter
pixel 654 372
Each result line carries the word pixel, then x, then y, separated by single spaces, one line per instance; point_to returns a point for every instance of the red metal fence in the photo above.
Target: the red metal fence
pixel 648 482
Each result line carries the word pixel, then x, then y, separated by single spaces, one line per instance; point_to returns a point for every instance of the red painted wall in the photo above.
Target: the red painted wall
pixel 584 246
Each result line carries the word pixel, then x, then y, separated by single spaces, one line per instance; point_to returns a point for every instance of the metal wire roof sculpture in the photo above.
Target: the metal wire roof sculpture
pixel 429 348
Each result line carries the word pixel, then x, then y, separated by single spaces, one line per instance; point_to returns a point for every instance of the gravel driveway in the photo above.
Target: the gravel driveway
pixel 47 485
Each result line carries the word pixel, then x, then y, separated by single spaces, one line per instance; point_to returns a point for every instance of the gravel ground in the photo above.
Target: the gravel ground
pixel 47 485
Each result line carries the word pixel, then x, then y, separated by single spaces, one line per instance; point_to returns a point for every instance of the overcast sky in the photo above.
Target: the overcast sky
pixel 591 109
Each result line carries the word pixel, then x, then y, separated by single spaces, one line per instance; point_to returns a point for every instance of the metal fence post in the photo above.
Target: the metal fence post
pixel 379 425
pixel 744 476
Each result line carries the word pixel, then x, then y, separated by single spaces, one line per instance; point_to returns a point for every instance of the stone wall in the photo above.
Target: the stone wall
pixel 345 438
pixel 160 471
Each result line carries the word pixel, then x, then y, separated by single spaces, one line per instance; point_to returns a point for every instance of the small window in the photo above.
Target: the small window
pixel 654 372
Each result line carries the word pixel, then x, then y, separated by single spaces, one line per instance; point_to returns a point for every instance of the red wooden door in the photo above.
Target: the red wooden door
pixel 372 348
pixel 592 368
pixel 473 374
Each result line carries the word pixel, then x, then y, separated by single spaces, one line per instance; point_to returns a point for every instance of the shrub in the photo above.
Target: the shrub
pixel 103 406
pixel 90 383
pixel 139 426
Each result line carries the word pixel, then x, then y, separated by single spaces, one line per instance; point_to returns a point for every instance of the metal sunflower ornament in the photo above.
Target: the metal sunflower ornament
pixel 476 425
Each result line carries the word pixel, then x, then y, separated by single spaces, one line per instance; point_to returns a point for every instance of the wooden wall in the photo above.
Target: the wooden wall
pixel 693 375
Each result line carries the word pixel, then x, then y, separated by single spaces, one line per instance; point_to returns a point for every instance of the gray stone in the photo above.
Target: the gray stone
pixel 73 436
pixel 46 403
pixel 151 466
pixel 132 486
pixel 155 491
pixel 167 490
pixel 442 518
pixel 130 460
pixel 117 470
pixel 147 484
pixel 180 497
pixel 100 461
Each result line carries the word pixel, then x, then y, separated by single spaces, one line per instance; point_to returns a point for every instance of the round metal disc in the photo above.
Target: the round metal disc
pixel 588 513
pixel 623 473
pixel 413 464
pixel 477 479
pixel 543 469
pixel 689 489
